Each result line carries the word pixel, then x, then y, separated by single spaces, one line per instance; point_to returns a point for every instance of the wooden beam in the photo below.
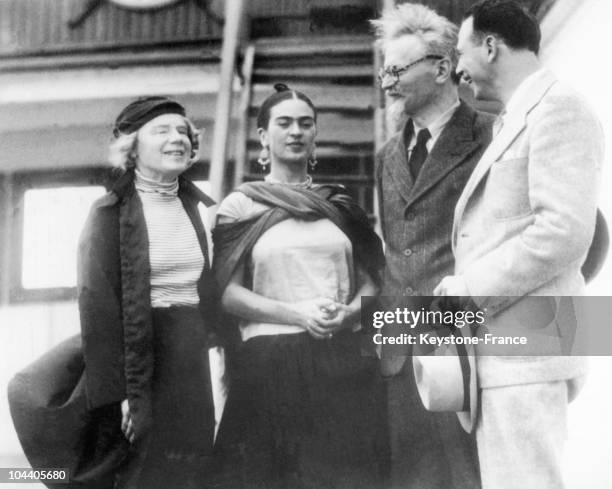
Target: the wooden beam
pixel 6 197
pixel 86 11
pixel 231 37
pixel 112 59
pixel 243 115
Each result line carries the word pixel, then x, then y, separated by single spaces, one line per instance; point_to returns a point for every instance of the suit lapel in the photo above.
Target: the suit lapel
pixel 514 124
pixel 512 128
pixel 398 167
pixel 450 150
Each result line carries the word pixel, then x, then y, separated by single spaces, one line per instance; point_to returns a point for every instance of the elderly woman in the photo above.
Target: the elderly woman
pixel 146 301
pixel 293 260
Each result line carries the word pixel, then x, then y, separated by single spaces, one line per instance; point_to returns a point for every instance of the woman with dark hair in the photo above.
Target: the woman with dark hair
pixel 293 260
pixel 146 301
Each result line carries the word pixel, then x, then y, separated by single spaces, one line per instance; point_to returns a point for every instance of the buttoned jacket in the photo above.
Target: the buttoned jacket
pixel 416 215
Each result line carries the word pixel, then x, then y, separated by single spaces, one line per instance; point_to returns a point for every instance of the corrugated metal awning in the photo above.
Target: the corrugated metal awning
pixel 64 117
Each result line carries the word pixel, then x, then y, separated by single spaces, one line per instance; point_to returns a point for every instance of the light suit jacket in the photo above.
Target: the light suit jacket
pixel 524 223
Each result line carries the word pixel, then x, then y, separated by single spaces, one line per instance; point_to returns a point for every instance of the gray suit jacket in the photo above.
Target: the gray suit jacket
pixel 427 449
pixel 417 216
pixel 524 223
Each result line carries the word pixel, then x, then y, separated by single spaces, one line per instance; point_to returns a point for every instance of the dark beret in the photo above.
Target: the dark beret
pixel 142 110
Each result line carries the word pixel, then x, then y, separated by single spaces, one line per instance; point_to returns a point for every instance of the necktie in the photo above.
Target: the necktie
pixel 419 153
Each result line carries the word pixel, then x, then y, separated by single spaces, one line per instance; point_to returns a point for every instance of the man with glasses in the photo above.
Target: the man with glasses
pixel 523 225
pixel 421 172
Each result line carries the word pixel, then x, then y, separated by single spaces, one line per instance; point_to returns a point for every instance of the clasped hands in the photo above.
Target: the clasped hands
pixel 321 317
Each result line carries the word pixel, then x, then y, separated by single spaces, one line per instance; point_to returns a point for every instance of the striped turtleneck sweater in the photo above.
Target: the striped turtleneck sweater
pixel 174 251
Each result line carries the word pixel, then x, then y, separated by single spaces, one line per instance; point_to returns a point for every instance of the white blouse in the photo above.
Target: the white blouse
pixel 294 260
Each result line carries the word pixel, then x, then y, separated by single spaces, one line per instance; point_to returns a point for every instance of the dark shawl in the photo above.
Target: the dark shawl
pixel 234 241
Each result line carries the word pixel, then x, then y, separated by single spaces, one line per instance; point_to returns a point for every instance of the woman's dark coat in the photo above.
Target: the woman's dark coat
pixel 72 393
pixel 115 297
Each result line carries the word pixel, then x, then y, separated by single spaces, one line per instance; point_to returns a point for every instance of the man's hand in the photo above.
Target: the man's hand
pixel 452 285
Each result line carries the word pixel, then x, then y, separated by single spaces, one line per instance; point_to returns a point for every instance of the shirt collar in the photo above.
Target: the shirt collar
pixel 146 185
pixel 437 126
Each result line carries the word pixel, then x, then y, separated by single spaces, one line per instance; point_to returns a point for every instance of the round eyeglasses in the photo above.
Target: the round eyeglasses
pixel 395 73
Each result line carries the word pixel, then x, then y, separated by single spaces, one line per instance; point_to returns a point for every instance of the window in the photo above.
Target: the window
pixel 48 214
pixel 203 185
pixel 52 222
pixel 40 231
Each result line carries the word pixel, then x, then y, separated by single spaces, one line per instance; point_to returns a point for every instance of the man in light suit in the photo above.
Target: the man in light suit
pixel 420 173
pixel 522 227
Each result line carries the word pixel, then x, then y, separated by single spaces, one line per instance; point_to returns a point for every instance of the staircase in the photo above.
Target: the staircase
pixel 337 73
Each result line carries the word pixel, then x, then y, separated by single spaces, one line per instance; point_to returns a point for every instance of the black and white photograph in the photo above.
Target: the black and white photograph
pixel 305 244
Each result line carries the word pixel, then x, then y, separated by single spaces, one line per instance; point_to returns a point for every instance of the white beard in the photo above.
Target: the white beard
pixel 395 116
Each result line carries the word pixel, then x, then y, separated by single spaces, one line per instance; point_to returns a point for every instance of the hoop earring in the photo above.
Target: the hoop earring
pixel 264 158
pixel 312 160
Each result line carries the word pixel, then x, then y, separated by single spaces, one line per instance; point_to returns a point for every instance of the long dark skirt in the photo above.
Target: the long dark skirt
pixel 177 453
pixel 304 413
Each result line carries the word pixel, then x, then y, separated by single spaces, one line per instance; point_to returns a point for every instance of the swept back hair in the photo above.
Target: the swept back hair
pixel 438 34
pixel 507 19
